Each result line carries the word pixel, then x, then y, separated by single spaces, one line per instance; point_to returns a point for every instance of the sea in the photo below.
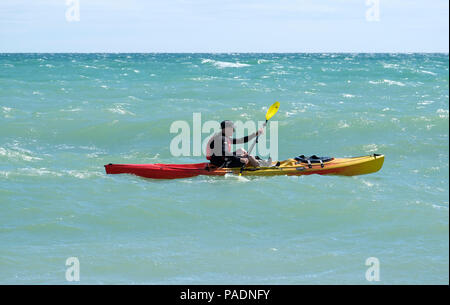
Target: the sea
pixel 63 220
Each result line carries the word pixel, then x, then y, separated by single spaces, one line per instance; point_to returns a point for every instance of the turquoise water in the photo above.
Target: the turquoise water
pixel 63 116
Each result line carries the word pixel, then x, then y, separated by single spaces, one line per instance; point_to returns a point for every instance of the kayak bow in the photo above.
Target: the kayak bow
pixel 291 167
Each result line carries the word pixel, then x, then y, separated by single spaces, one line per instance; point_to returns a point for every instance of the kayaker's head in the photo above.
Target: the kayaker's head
pixel 227 128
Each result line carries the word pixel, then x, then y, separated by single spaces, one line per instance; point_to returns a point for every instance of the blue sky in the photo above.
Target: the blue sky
pixel 224 26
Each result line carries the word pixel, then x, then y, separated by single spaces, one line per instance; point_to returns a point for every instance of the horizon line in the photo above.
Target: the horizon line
pixel 231 52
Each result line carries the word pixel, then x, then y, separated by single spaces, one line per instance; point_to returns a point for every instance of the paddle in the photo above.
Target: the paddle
pixel 270 113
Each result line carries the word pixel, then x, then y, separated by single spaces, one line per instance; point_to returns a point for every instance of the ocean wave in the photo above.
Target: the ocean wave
pixel 30 171
pixel 390 66
pixel 427 72
pixel 443 113
pixel 224 64
pixel 387 81
pixel 70 110
pixel 131 97
pixel 367 183
pixel 6 109
pixel 42 171
pixel 425 103
pixel 82 174
pixel 348 95
pixel 18 153
pixel 343 124
pixel 370 148
pixel 90 67
pixel 202 79
pixel 120 110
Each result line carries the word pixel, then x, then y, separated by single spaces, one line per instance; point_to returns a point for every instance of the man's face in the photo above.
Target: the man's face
pixel 229 131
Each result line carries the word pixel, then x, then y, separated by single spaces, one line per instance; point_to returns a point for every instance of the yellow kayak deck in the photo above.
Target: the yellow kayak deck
pixel 337 166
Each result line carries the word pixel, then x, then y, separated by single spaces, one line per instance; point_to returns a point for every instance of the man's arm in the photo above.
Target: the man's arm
pixel 245 139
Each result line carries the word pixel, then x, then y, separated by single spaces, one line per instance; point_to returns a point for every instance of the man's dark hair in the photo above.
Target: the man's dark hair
pixel 225 124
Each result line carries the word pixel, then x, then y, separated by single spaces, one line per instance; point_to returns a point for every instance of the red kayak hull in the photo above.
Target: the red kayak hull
pixel 159 171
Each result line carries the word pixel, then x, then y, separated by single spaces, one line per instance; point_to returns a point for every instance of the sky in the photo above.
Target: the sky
pixel 224 26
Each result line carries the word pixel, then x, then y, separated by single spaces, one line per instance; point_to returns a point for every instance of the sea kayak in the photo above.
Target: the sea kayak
pixel 292 167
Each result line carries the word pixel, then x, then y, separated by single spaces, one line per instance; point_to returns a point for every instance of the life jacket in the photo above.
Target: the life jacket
pixel 209 151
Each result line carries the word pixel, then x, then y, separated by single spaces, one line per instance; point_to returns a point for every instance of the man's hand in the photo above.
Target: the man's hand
pixel 260 131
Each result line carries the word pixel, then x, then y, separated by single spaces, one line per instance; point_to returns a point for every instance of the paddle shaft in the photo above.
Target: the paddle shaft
pixel 270 113
pixel 251 147
pixel 256 141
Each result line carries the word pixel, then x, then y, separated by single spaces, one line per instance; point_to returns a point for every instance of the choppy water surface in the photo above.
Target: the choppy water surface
pixel 63 116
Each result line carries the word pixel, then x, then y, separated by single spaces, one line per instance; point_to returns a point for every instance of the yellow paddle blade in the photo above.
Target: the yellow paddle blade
pixel 272 110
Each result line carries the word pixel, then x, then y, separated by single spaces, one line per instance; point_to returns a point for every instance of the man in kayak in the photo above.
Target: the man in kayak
pixel 218 149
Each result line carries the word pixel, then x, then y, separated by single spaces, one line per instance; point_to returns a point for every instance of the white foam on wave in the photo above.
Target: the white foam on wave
pixel 82 174
pixel 18 153
pixel 428 72
pixel 70 110
pixel 348 95
pixel 439 207
pixel 120 110
pixel 42 171
pixel 236 177
pixel 433 205
pixel 387 81
pixel 6 109
pixel 390 66
pixel 425 103
pixel 205 78
pixel 131 97
pixel 370 148
pixel 224 64
pixel 392 82
pixel 31 171
pixel 368 183
pixel 443 113
pixel 289 114
pixel 343 124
